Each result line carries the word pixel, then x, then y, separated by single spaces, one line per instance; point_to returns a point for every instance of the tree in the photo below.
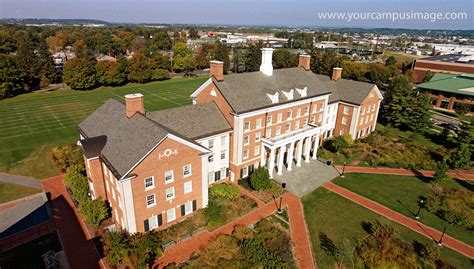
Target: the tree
pixel 95 211
pixel 49 73
pixel 354 70
pixel 116 246
pixel 441 173
pixel 282 58
pixel 139 68
pixel 102 72
pixel 461 157
pixel 27 62
pixel 379 73
pixel 118 71
pixel 193 33
pixel 420 114
pixel 428 76
pixel 260 179
pixel 11 83
pixel 391 60
pixel 183 59
pixel 252 57
pixel 397 102
pixel 221 53
pixel 323 62
pixel 80 74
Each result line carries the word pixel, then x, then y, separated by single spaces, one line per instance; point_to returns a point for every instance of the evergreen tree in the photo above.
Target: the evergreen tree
pixel 11 82
pixel 283 58
pixel 27 62
pixel 253 57
pixel 221 53
pixel 48 69
pixel 323 62
pixel 461 157
pixel 398 102
pixel 420 113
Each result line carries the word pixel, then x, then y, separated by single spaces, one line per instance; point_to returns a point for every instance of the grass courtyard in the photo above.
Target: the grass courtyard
pixel 339 219
pixel 401 193
pixel 10 192
pixel 32 124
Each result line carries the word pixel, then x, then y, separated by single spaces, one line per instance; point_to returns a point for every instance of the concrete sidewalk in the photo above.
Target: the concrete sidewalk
pixel 21 180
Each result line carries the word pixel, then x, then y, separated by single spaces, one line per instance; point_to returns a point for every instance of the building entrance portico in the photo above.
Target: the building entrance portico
pixel 290 149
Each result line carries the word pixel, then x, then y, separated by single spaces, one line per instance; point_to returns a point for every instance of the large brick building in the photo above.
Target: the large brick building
pixel 154 168
pixel 449 63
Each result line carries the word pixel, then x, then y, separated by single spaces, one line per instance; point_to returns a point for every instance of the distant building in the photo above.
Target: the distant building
pixel 103 57
pixel 450 63
pixel 448 91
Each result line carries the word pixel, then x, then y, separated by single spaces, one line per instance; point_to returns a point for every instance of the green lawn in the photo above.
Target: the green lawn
pixel 32 124
pixel 338 218
pixel 401 193
pixel 10 192
pixel 428 138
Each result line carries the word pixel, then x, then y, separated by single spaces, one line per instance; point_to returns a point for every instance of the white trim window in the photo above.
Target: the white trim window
pixel 153 222
pixel 297 125
pixel 149 183
pixel 187 170
pixel 222 141
pixel 298 112
pixel 361 121
pixel 188 208
pixel 278 130
pixel 289 114
pixel 346 110
pixel 315 108
pixel 306 110
pixel 223 153
pixel 363 110
pixel 169 177
pixel 344 121
pixel 256 150
pixel 288 127
pixel 210 177
pixel 171 214
pixel 210 158
pixel 188 187
pixel 246 154
pixel 246 140
pixel 269 119
pixel 320 117
pixel 305 123
pixel 169 193
pixel 371 117
pixel 257 136
pixel 258 123
pixel 150 200
pixel 313 119
pixel 211 143
pixel 321 108
pixel 279 117
pixel 269 133
pixel 247 126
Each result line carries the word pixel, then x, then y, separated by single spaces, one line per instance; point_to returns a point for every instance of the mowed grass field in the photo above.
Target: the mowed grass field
pixel 32 124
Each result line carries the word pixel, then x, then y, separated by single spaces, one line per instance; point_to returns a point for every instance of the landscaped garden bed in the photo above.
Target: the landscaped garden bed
pixel 346 234
pixel 267 244
pixel 403 194
pixel 260 185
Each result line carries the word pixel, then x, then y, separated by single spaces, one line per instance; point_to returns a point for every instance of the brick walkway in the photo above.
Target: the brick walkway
pixel 299 234
pixel 402 172
pixel 405 221
pixel 75 239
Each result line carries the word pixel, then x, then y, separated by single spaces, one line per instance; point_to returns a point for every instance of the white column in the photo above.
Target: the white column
pixel 299 152
pixel 271 162
pixel 315 147
pixel 281 156
pixel 289 160
pixel 263 156
pixel 307 149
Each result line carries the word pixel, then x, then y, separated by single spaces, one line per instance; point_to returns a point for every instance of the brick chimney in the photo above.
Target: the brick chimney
pixel 134 104
pixel 336 73
pixel 267 67
pixel 305 62
pixel 217 70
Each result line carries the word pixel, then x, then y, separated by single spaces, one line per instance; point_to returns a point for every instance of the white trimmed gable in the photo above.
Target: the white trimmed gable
pixel 289 94
pixel 274 97
pixel 303 92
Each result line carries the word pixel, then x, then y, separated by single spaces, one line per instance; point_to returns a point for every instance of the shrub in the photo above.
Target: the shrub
pixel 260 179
pixel 258 254
pixel 441 173
pixel 242 232
pixel 214 213
pixel 77 182
pixel 65 156
pixel 95 211
pixel 116 246
pixel 160 74
pixel 226 191
pixel 340 143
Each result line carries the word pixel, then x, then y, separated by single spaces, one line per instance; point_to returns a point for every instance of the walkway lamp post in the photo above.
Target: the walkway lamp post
pixel 283 185
pixel 420 205
pixel 440 242
pixel 343 170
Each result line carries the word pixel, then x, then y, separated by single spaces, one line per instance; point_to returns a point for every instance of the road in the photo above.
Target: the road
pixel 20 180
pixel 445 119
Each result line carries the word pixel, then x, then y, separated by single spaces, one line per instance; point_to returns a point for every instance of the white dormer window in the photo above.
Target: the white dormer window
pixel 273 97
pixel 303 92
pixel 213 93
pixel 288 94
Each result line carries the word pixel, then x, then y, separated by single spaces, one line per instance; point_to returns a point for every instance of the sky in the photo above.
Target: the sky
pixel 250 12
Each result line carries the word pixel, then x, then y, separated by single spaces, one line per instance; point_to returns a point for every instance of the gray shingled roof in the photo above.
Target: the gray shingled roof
pixel 193 121
pixel 346 90
pixel 128 139
pixel 92 147
pixel 248 91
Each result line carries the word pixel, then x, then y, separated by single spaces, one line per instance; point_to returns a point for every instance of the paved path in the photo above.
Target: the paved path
pixel 403 172
pixel 21 180
pixel 299 234
pixel 75 238
pixel 405 221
